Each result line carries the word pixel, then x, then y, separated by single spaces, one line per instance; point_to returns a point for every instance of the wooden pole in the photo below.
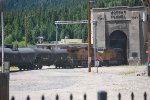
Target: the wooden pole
pixel 26 32
pixel 89 37
pixel 148 31
pixel 1 5
pixel 148 1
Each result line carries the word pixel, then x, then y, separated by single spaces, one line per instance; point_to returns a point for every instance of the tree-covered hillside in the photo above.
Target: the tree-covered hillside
pixel 30 4
pixel 33 18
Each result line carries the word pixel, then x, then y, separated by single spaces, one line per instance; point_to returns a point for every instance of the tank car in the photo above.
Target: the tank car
pixel 61 58
pixel 47 57
pixel 23 58
pixel 26 58
pixel 35 58
pixel 43 57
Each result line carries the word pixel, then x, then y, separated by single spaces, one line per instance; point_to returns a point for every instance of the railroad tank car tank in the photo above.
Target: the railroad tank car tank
pixel 23 58
pixel 26 58
pixel 61 58
pixel 43 57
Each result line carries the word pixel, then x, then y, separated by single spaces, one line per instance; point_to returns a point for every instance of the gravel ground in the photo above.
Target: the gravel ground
pixel 49 82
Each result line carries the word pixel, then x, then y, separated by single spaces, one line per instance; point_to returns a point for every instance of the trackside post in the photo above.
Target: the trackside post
pixel 102 95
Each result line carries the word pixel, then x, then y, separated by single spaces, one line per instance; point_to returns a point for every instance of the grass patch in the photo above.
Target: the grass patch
pixel 135 65
pixel 127 72
pixel 13 68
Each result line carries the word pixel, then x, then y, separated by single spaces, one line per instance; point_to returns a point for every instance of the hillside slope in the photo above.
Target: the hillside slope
pixel 33 18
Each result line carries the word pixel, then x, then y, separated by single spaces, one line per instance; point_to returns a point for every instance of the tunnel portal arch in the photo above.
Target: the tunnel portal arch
pixel 118 39
pixel 124 23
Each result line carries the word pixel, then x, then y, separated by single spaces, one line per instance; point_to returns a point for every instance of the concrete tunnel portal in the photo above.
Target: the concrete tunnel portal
pixel 118 39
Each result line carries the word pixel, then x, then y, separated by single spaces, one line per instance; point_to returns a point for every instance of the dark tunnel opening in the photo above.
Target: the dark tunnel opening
pixel 118 39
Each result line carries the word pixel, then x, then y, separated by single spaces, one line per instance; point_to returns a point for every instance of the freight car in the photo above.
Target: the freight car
pixel 35 58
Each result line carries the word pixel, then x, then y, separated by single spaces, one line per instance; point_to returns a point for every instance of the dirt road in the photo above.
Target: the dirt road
pixel 49 82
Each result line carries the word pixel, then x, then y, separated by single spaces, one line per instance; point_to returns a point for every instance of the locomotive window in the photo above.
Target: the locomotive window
pixel 83 57
pixel 6 56
pixel 134 54
pixel 74 56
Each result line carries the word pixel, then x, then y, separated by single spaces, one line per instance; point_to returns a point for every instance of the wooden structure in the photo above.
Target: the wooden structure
pixel 4 86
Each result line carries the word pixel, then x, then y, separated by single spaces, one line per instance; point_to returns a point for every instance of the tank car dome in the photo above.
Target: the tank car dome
pixel 26 50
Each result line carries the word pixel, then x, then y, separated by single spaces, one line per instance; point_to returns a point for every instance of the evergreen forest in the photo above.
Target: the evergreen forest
pixel 33 18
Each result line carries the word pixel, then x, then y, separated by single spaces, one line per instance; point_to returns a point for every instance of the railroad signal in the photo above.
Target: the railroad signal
pixel 99 58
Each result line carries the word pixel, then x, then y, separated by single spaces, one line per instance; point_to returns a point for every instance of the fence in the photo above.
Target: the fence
pixel 57 97
pixel 102 95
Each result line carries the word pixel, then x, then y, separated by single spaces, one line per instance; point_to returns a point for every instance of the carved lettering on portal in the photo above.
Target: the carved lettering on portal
pixel 118 14
pixel 100 17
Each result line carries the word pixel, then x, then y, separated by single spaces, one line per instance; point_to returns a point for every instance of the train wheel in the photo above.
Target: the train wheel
pixel 64 67
pixel 20 68
pixel 35 67
pixel 26 67
pixel 31 67
pixel 40 67
pixel 57 66
pixel 76 66
pixel 23 67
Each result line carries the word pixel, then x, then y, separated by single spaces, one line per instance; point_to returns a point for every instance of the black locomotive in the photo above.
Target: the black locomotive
pixel 35 58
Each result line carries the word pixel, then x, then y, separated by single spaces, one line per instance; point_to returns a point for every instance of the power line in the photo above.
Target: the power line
pixel 71 22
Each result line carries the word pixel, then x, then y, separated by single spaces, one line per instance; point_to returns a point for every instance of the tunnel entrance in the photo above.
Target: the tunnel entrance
pixel 118 40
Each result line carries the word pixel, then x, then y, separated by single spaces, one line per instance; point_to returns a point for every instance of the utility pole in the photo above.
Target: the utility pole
pixel 4 77
pixel 27 25
pixel 56 35
pixel 2 25
pixel 148 1
pixel 89 37
pixel 26 31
